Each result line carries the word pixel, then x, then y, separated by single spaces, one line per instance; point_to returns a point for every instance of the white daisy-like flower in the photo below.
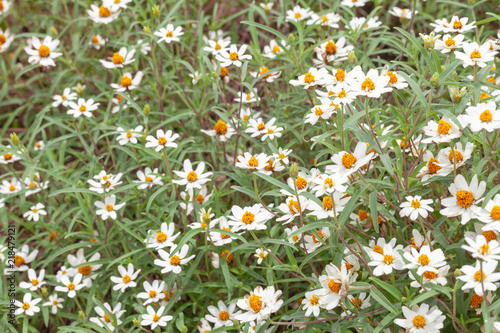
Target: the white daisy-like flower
pixel 153 292
pixel 116 4
pixel 65 98
pixel 218 238
pixel 363 23
pixel 353 3
pixel 252 162
pixel 217 46
pixel 311 78
pixel 172 262
pixel 192 178
pixel 148 178
pixel 290 208
pixel 21 259
pixel 401 13
pixel 322 111
pixel 85 267
pixel 129 136
pixel 163 238
pixel 421 319
pixel 35 212
pixel 39 145
pixel 222 315
pixel 266 74
pixel 449 43
pixel 274 49
pixel 119 59
pixel 414 207
pixel 443 131
pixel 464 198
pixel 424 260
pixel 458 156
pixel 346 163
pixel 248 218
pixel 491 214
pixel 483 116
pixel 456 24
pixel 169 34
pixel 293 239
pixel 144 47
pixel 271 130
pixel 327 184
pixel 371 84
pixel 155 318
pixel 282 156
pixel 6 37
pixel 312 243
pixel 54 302
pixel 121 103
pixel 97 41
pixel 333 51
pixel 233 56
pixel 310 303
pixel 479 276
pixel 103 320
pixel 221 130
pixel 395 80
pixel 326 20
pixel 108 208
pixel 434 167
pixel 297 14
pixel 202 197
pixel 126 279
pixel 35 281
pixel 259 304
pixel 438 277
pixel 70 287
pixel 162 140
pixel 9 157
pixel 27 306
pixel 475 54
pixel 43 52
pixel 63 271
pixel 34 184
pixel 386 258
pixel 82 107
pixel 128 82
pixel 103 14
pixel 105 182
pixel 482 249
pixel 9 187
pixel 335 282
pixel 261 255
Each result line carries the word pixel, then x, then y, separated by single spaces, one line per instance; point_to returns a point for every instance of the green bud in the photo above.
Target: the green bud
pixel 136 322
pixel 404 299
pixel 146 109
pixel 79 183
pixel 352 57
pixel 156 10
pixel 81 315
pixel 291 38
pixel 457 273
pixel 443 68
pixel 471 2
pixel 53 30
pixel 214 75
pixel 146 29
pixel 294 170
pixel 14 138
pixel 435 79
pixel 184 329
pixel 44 291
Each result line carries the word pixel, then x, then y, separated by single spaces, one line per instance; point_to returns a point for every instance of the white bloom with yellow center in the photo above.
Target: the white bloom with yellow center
pixel 326 20
pixel 439 277
pixel 202 197
pixel 269 75
pixel 222 130
pixel 272 131
pixel 292 208
pixel 259 304
pixel 103 14
pixel 444 130
pixel 449 43
pixel 126 278
pixel 9 157
pixel 456 24
pixel 434 166
pixel 128 82
pixel 353 3
pixel 297 14
pixel 148 178
pixel 386 258
pixel 105 182
pixel 9 187
pixel 64 271
pixel 218 238
pixel 43 52
pixel 421 319
pixel 335 282
pixel 321 111
pixel 104 320
pixel 395 80
pixel 65 98
pixel 256 127
pixel 85 267
pixel 162 140
pixel 248 98
pixel 35 212
pixel 54 302
pixel 163 238
pixel 119 59
pixel 108 208
pixel 475 54
pixel 153 292
pixel 217 46
pixel 479 277
pixel 27 306
pixel 171 261
pixel 71 287
pixel 249 218
pixel 116 4
pixel 311 78
pixel 222 315
pixel 21 259
pixel 371 84
pixel 483 116
pixel 233 56
pixel 39 145
pixel 343 94
pixel 458 156
pixel 192 178
pixel 129 136
pixel 169 34
pixel 274 49
pixel 482 249
pixel 282 156
pixel 490 214
pixel 35 281
pixel 310 303
pixel 414 207
pixel 261 255
pixel 5 7
pixel 333 50
pixel 82 108
pixel 464 198
pixel 34 184
pixel 362 22
pixel 155 318
pixel 144 46
pixel 346 164
pixel 425 259
pixel 401 13
pixel 313 242
pixel 120 103
pixel 97 41
pixel 253 162
pixel 295 239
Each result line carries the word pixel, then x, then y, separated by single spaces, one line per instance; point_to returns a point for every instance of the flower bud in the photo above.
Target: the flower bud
pixel 44 291
pixel 146 29
pixel 294 170
pixel 184 329
pixel 146 109
pixel 435 79
pixel 291 38
pixel 156 10
pixel 14 138
pixel 53 30
pixel 471 2
pixel 404 299
pixel 136 323
pixel 214 75
pixel 457 273
pixel 79 183
pixel 429 40
pixel 80 88
pixel 81 315
pixel 352 57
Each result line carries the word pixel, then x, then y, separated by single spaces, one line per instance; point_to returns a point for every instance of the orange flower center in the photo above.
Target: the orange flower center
pixel 314 300
pixel 301 183
pixel 329 182
pixel 340 75
pixel 378 249
pixel 152 294
pixel 486 116
pixel 475 54
pixel 253 162
pixel 26 305
pixel 95 40
pixel 34 282
pixel 490 235
pixel 368 85
pixel 156 318
pixel 223 71
pixel 393 78
pixel 103 11
pixel 308 78
pixel 293 206
pixel 71 286
pixel 43 51
pixel 430 275
pixel 109 208
pixel 162 141
pixel 85 270
pixel 247 218
pixel 175 260
pixel 348 160
pixel 161 237
pixel 169 34
pixel 465 198
pixel 423 259
pixel 478 275
pixel 126 279
pixel 432 166
pixel 7 156
pixel 298 15
pixel 200 198
pixel 443 127
pixel 18 261
pixel 327 203
pixel 255 303
pixel 476 301
pixel 220 127
pixel 415 204
pixel 331 47
pixel 233 56
pixel 388 259
pixel 334 286
pixel 449 42
pixel 125 81
pixel 276 49
pixel 419 321
pixel 117 58
pixel 458 156
pixel 223 315
pixel 217 45
pixel 192 176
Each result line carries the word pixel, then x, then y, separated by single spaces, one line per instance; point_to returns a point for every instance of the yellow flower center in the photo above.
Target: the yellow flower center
pixel 340 75
pixel 7 156
pixel 223 315
pixel 348 160
pixel 63 97
pixel 485 248
pixel 175 260
pixel 43 51
pixel 475 54
pixel 253 162
pixel 203 225
pixel 432 166
pixel 388 259
pixel 233 56
pixel 126 279
pixel 161 237
pixel 457 24
pixel 415 204
pixel 308 78
pixel 152 294
pixel 342 94
pixel 95 40
pixel 125 81
pixel 262 255
pixel 484 95
pixel 495 214
pixel 109 208
pixel 458 156
pixel 356 301
pixel 465 198
pixel 449 42
pixel 26 305
pixel 393 78
pixel 314 300
pixel 85 270
pixel 324 18
pixel 318 111
pixel 103 11
pixel 261 126
pixel 476 301
pixel 486 116
pixel 12 187
pixel 200 198
pixel 169 34
pixel 106 318
pixel 490 235
pixel 295 238
pixel 419 321
pixel 334 286
pixel 217 45
pixel 71 286
pixel 492 80
pixel 327 203
pixel 423 259
pixel 34 282
pixel 156 318
pixel 368 85
pixel 378 249
pixel 192 176
pixel 331 47
pixel 83 108
pixel 34 210
pixel 301 183
pixel 162 141
pixel 249 97
pixel 224 235
pixel 329 182
pixel 443 127
pixel 298 15
pixel 362 214
pixel 223 71
pixel 270 131
pixel 247 218
pixel 54 302
pixel 18 261
pixel 430 275
pixel 478 275
pixel 293 206
pixel 255 303
pixel 276 49
pixel 117 58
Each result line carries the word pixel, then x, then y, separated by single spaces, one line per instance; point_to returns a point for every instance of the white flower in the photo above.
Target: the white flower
pixel 434 167
pixel 7 36
pixel 121 103
pixel 260 254
pixel 346 163
pixel 221 130
pixel 386 261
pixel 271 130
pixel 65 271
pixel 475 55
pixel 217 46
pixel 192 178
pixel 396 80
pixel 65 98
pixel 371 84
pixel 456 24
pixel 163 238
pixel 327 184
pixel 482 249
pixel 479 276
pixel 162 140
pixel 333 51
pixel 282 156
pixel 458 156
pixel 424 260
pixel 311 78
pixel 464 198
pixel 129 136
pixel 218 238
pixel 491 214
pixel 202 197
pixel 311 304
pixel 248 218
pixel 483 116
pixel 145 48
pixel 252 162
pixel 108 208
pixel 152 292
pixel 71 287
pixel 312 243
pixel 195 77
pixel 154 318
pixel 449 43
pixel 82 107
pixel 54 302
pixel 172 262
pixel 148 178
pixel 266 74
pixel 39 145
pixel 10 187
pixel 267 7
pixel 34 184
pixel 222 315
pixel 9 157
pixel 323 111
pixel 259 304
pixel 414 207
pixel 291 209
pixel 128 82
pixel 21 258
pixel 28 306
pixel 298 14
pixel 104 320
pixel 293 239
pixel 97 41
pixel 362 22
pixel 334 282
pixel 274 49
pixel 116 4
pixel 421 319
pixel 169 34
pixel 353 3
pixel 402 13
pixel 43 52
pixel 126 279
pixel 233 56
pixel 35 281
pixel 103 14
pixel 326 20
pixel 106 182
pixel 438 277
pixel 35 212
pixel 86 268
pixel 119 59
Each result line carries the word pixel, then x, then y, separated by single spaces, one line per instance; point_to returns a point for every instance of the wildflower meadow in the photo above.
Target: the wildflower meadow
pixel 234 166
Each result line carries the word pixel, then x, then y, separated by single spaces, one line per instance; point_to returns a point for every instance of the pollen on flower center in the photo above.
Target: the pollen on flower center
pixel 478 275
pixel 270 131
pixel 125 81
pixel 430 275
pixel 329 182
pixel 34 282
pixel 7 156
pixel 169 34
pixel 449 42
pixel 465 198
pixel 200 198
pixel 175 260
pixel 318 111
pixel 161 237
pixel 475 54
pixel 423 259
pixel 34 210
pixel 293 206
pixel 276 49
pixel 152 294
pixel 223 71
pixel 203 225
pixel 495 214
pixel 327 203
pixel 162 141
pixel 106 318
pixel 486 116
pixel 314 300
pixel 12 187
pixel 247 218
pixel 71 286
pixel 432 166
pixel 298 15
pixel 484 95
pixel 378 249
pixel 368 85
pixel 129 135
pixel 340 75
pixel 117 58
pixel 126 279
pixel 419 321
pixel 388 259
pixel 2 37
pixel 476 301
pixel 103 11
pixel 233 56
pixel 393 78
pixel 415 204
pixel 192 176
pixel 217 46
pixel 253 162
pixel 85 270
pixel 95 40
pixel 331 47
pixel 342 94
pixel 485 248
pixel 334 286
pixel 457 24
pixel 156 318
pixel 26 305
pixel 44 51
pixel 458 156
pixel 308 78
pixel 109 208
pixel 18 261
pixel 443 127
pixel 223 315
pixel 301 183
pixel 224 235
pixel 255 303
pixel 348 160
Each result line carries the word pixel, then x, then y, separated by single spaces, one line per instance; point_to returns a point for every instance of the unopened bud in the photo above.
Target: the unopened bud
pixel 80 88
pixel 443 68
pixel 146 29
pixel 435 79
pixel 291 38
pixel 156 10
pixel 79 183
pixel 44 291
pixel 457 273
pixel 53 30
pixel 81 315
pixel 352 57
pixel 146 109
pixel 294 170
pixel 214 75
pixel 404 299
pixel 184 329
pixel 14 138
pixel 471 2
pixel 136 322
